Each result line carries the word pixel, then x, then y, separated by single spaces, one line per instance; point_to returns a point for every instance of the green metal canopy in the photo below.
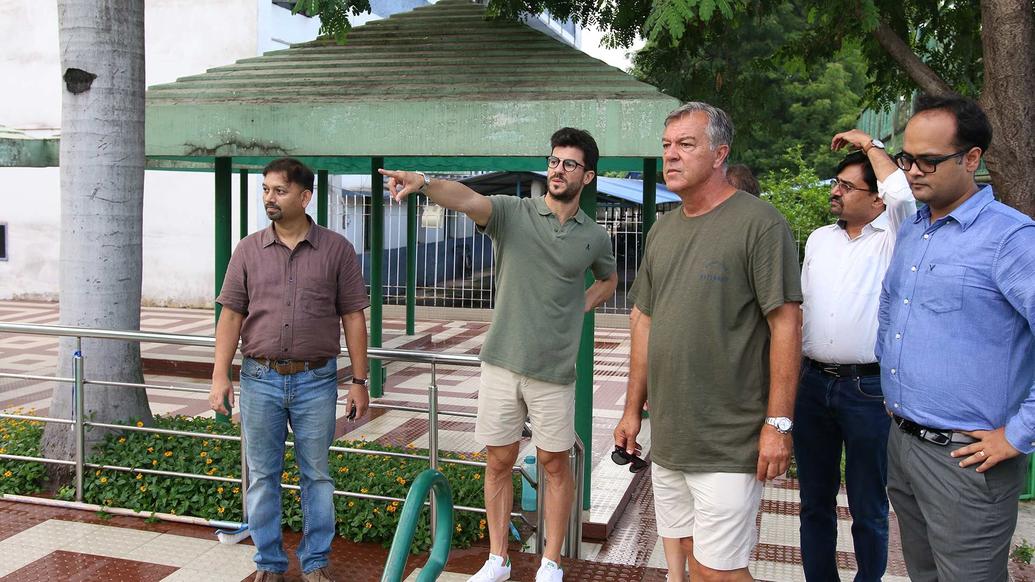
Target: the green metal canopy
pixel 441 80
pixel 19 150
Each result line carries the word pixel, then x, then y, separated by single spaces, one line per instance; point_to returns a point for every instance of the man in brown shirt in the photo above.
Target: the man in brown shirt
pixel 288 291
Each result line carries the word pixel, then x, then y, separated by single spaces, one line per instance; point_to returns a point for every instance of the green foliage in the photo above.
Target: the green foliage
pixel 20 437
pixel 358 519
pixel 801 197
pixel 775 103
pixel 333 14
pixel 1023 552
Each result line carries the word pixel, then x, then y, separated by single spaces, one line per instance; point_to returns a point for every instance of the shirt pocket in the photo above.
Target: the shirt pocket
pixel 941 288
pixel 318 302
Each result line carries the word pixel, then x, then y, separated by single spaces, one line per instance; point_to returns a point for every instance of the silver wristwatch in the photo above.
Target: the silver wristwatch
pixel 782 424
pixel 426 180
pixel 875 143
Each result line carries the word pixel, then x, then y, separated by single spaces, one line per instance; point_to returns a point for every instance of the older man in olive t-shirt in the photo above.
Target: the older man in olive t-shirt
pixel 542 248
pixel 716 343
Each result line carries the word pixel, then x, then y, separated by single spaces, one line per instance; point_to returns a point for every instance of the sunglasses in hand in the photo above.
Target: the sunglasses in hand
pixel 622 457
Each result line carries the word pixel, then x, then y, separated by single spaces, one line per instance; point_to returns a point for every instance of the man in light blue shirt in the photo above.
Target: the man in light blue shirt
pixel 956 345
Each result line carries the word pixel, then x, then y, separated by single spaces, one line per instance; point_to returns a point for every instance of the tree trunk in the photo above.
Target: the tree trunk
pixel 1008 45
pixel 102 183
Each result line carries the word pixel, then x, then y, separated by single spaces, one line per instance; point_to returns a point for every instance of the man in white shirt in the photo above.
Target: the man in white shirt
pixel 840 403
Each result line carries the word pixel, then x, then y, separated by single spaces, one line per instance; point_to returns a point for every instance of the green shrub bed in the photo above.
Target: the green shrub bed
pixel 360 520
pixel 20 437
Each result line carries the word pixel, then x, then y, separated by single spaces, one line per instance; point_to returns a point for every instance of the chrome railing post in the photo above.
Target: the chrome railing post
pixel 78 413
pixel 540 506
pixel 573 541
pixel 433 439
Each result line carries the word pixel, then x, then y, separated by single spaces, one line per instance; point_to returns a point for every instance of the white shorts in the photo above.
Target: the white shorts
pixel 506 398
pixel 718 510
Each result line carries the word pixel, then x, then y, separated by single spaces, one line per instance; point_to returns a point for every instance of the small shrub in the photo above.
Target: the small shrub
pixel 1023 552
pixel 20 437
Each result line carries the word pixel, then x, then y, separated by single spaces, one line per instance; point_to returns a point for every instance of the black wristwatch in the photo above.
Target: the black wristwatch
pixel 361 381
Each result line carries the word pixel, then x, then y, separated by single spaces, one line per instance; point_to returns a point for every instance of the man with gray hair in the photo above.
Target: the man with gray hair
pixel 716 348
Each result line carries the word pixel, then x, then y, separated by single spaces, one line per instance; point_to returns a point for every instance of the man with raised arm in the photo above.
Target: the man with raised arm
pixel 542 247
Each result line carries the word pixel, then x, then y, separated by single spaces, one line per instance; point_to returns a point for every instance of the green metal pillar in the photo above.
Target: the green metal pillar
pixel 321 198
pixel 223 213
pixel 584 364
pixel 377 249
pixel 411 263
pixel 650 195
pixel 242 205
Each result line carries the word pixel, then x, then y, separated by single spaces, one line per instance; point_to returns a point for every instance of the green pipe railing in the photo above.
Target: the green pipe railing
pixel 443 528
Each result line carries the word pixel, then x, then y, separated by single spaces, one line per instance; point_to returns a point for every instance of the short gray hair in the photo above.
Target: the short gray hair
pixel 720 127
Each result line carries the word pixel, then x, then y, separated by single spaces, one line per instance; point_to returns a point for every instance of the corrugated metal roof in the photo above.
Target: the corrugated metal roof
pixel 441 80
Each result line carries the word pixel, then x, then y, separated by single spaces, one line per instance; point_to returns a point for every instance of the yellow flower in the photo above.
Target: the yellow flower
pixel 143 488
pixel 343 470
pixel 97 472
pixel 108 501
pixel 236 490
pixel 376 511
pixel 477 476
pixel 104 480
pixel 204 443
pixel 212 471
pixel 364 490
pixel 391 509
pixel 208 461
pixel 139 476
pixel 370 474
pixel 140 423
pixel 221 510
pixel 7 473
pixel 122 440
pixel 341 456
pixel 395 504
pixel 203 454
pixel 481 536
pixel 458 528
pixel 352 503
pixel 150 449
pixel 154 461
pixel 400 480
pixel 219 490
pixel 167 453
pixel 368 525
pixel 285 476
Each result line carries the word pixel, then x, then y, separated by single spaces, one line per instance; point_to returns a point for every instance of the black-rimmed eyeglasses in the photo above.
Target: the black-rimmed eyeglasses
pixel 622 457
pixel 924 164
pixel 568 165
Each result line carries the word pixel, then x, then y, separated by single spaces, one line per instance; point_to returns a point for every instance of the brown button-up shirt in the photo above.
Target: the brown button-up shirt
pixel 293 300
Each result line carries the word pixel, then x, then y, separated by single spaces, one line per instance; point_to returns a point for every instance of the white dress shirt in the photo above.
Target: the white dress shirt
pixel 841 280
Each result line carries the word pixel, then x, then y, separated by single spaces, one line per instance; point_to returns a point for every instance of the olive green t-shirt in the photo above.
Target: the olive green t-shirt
pixel 707 283
pixel 540 286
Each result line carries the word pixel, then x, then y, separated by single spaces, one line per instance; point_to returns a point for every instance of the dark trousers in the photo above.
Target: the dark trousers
pixel 831 413
pixel 956 523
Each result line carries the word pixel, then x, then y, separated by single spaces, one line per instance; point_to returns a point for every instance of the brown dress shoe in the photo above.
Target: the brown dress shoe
pixel 266 576
pixel 317 575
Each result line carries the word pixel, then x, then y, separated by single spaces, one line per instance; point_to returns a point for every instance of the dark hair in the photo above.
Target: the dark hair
pixel 296 171
pixel 740 176
pixel 972 127
pixel 569 137
pixel 859 158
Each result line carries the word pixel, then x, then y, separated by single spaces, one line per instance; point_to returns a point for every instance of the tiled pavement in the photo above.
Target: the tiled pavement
pixel 71 538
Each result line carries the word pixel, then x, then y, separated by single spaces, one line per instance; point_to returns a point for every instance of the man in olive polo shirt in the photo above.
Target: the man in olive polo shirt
pixel 542 248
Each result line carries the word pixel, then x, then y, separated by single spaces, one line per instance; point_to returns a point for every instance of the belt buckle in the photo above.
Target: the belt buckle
pixel 939 438
pixel 833 370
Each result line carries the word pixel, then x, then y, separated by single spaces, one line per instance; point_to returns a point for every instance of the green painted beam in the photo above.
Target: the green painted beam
pixel 361 164
pixel 20 151
pixel 584 362
pixel 377 249
pixel 223 210
pixel 322 193
pixel 242 204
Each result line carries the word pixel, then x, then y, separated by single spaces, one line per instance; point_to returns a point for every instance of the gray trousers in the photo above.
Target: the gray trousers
pixel 956 523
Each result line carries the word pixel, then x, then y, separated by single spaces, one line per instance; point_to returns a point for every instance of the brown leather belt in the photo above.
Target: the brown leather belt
pixel 288 367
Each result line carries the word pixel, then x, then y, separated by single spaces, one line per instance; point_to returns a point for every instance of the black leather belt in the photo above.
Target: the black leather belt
pixel 288 367
pixel 845 370
pixel 937 436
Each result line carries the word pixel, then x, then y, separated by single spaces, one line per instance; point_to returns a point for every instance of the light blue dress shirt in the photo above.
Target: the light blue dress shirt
pixel 956 334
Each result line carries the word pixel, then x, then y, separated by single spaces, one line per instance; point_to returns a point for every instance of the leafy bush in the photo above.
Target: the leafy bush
pixel 20 437
pixel 358 519
pixel 801 197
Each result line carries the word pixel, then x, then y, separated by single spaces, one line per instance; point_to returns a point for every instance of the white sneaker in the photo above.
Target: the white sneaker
pixel 496 569
pixel 549 571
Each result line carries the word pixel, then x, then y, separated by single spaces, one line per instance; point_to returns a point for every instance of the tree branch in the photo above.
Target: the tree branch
pixel 925 78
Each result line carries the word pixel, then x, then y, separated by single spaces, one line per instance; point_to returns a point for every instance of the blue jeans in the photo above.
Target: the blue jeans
pixel 830 413
pixel 269 402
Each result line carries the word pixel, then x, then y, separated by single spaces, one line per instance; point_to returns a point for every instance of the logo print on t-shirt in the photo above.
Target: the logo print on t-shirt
pixel 715 271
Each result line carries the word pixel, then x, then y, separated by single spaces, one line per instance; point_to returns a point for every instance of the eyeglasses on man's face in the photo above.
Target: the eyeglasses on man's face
pixel 568 165
pixel 925 164
pixel 845 187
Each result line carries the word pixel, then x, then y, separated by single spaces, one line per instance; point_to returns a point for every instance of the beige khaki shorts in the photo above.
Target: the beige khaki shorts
pixel 718 510
pixel 506 398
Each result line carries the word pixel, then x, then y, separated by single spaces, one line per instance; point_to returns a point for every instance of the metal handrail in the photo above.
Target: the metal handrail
pixel 433 358
pixel 442 527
